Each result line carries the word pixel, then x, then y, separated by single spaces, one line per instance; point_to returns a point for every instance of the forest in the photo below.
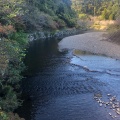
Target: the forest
pixel 20 17
pixel 104 9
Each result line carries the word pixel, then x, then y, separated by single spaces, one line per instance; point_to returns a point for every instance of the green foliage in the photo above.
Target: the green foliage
pixel 83 16
pixel 3 115
pixel 107 9
pixel 12 46
pixel 16 18
pixel 10 9
pixel 13 116
pixel 20 37
pixel 10 76
pixel 111 17
pixel 9 102
pixel 49 14
pixel 12 51
pixel 31 15
pixel 104 14
pixel 114 27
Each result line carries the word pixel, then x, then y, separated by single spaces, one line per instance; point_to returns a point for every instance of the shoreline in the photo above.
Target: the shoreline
pixel 94 42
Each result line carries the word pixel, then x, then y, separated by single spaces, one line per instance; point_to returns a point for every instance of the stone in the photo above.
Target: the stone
pixel 117 103
pixel 110 102
pixel 100 104
pixel 108 94
pixel 118 112
pixel 99 95
pixel 95 97
pixel 107 103
pixel 113 106
pixel 110 114
pixel 118 109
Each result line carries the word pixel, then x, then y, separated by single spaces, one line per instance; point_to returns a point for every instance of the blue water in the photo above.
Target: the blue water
pixel 61 86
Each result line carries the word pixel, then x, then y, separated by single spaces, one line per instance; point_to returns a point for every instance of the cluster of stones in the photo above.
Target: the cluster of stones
pixel 58 34
pixel 113 104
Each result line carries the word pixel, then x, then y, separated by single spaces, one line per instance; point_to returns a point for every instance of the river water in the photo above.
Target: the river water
pixel 61 86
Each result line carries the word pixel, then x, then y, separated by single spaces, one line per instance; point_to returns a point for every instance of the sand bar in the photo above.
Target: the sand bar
pixel 94 42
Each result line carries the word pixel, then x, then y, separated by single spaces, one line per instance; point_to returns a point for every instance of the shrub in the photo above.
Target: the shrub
pixel 19 37
pixel 114 31
pixel 111 17
pixel 83 16
pixel 6 30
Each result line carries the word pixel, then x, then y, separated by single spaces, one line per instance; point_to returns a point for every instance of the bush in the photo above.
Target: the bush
pixel 19 37
pixel 114 27
pixel 111 17
pixel 3 115
pixel 83 17
pixel 12 51
pixel 114 31
pixel 10 75
pixel 12 116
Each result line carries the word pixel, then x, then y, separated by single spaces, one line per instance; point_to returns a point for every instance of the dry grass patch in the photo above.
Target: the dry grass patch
pixel 114 32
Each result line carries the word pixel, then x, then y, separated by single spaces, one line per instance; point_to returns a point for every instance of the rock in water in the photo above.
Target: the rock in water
pixel 108 94
pixel 110 114
pixel 100 104
pixel 118 111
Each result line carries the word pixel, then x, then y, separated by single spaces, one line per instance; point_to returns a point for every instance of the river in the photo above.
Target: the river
pixel 61 86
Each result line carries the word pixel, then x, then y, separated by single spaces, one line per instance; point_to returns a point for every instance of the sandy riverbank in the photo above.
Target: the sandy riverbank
pixel 94 42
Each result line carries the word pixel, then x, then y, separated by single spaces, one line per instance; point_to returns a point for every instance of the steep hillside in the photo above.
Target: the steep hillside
pixel 49 14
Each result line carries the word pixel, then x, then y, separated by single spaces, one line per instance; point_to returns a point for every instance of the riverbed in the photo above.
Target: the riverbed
pixel 61 85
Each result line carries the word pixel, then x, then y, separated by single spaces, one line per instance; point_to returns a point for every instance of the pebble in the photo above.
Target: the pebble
pixel 117 103
pixel 118 112
pixel 113 103
pixel 110 102
pixel 113 117
pixel 113 106
pixel 110 114
pixel 108 94
pixel 100 104
pixel 118 109
pixel 107 103
pixel 95 97
pixel 116 106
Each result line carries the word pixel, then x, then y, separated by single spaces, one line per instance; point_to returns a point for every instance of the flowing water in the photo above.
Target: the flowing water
pixel 61 86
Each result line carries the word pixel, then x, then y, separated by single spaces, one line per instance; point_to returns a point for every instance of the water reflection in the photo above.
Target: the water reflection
pixel 39 55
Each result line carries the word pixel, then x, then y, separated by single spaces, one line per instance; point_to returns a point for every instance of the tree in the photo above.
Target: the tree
pixel 10 9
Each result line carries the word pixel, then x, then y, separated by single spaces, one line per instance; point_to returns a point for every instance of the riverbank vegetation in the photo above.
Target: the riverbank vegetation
pixel 104 9
pixel 52 14
pixel 13 41
pixel 97 14
pixel 17 19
